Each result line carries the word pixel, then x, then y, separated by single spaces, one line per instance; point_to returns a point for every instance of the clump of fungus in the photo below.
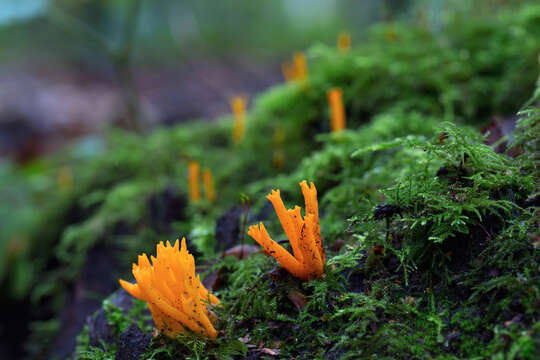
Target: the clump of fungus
pixel 175 295
pixel 304 235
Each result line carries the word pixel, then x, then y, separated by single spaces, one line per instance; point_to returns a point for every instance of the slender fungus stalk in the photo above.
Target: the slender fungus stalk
pixel 390 35
pixel 238 107
pixel 208 183
pixel 288 71
pixel 337 119
pixel 300 65
pixel 308 259
pixel 344 42
pixel 64 179
pixel 193 179
pixel 297 69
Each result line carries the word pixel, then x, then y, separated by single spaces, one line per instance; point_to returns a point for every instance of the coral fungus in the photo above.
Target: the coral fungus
pixel 335 99
pixel 344 41
pixel 304 235
pixel 175 296
pixel 238 107
pixel 193 179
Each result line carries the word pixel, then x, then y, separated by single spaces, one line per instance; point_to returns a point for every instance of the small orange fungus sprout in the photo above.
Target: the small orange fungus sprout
pixel 288 71
pixel 64 179
pixel 304 235
pixel 297 70
pixel 390 35
pixel 208 183
pixel 337 120
pixel 344 41
pixel 193 179
pixel 300 65
pixel 238 107
pixel 175 295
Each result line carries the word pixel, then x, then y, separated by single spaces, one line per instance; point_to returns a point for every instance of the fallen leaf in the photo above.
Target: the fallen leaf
pixel 337 245
pixel 409 300
pixel 535 240
pixel 298 299
pixel 277 274
pixel 377 250
pixel 213 280
pixel 272 352
pixel 442 137
pixel 241 251
pixel 515 320
pixel 244 339
pixel 496 130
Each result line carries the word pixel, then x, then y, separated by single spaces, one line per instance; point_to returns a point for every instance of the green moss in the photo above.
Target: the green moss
pixel 439 258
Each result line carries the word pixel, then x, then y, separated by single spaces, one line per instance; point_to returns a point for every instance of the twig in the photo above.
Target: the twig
pixel 121 56
pixel 245 212
pixel 123 63
pixel 70 22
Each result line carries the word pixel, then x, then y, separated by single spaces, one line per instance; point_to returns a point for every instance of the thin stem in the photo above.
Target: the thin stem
pixel 123 63
pixel 70 22
pixel 245 212
pixel 121 56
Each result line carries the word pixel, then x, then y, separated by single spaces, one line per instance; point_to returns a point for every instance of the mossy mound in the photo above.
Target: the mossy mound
pixel 431 235
pixel 441 263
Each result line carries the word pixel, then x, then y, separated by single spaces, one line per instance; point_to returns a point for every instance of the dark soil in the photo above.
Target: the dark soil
pixel 98 278
pixel 164 208
pixel 228 228
pixel 132 343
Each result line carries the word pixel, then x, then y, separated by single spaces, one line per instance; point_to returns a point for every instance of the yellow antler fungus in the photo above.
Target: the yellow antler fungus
pixel 300 64
pixel 175 296
pixel 337 111
pixel 288 71
pixel 344 41
pixel 208 183
pixel 193 180
pixel 304 235
pixel 238 107
pixel 296 70
pixel 64 179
